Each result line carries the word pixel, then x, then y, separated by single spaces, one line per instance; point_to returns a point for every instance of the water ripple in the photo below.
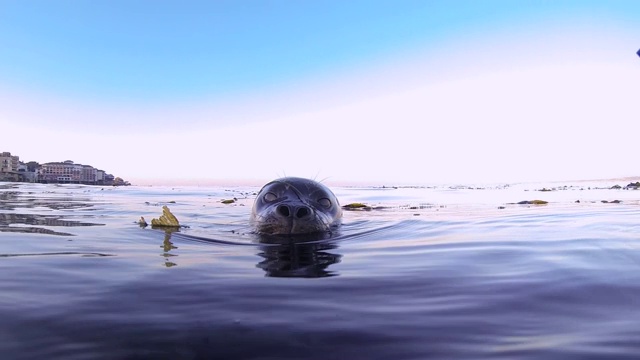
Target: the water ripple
pixel 453 272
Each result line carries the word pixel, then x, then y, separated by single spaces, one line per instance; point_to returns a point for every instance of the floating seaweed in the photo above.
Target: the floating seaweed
pixel 532 202
pixel 166 220
pixel 356 206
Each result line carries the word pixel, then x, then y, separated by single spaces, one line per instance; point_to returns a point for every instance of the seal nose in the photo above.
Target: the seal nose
pixel 303 212
pixel 283 210
pixel 299 212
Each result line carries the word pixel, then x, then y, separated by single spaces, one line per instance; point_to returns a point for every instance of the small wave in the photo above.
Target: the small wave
pixel 83 254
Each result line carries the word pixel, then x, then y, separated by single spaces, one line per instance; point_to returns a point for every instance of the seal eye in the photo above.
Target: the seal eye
pixel 269 197
pixel 325 202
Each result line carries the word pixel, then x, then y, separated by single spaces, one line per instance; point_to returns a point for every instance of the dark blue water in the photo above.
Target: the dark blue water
pixel 443 272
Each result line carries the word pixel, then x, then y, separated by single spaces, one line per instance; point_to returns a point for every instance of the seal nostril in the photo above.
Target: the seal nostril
pixel 283 210
pixel 302 212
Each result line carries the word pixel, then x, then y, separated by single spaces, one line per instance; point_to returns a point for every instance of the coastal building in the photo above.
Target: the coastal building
pixel 108 179
pixel 8 163
pixel 65 172
pixel 72 173
pixel 68 172
pixel 26 173
pixel 89 174
pixel 100 177
pixel 9 167
pixel 61 172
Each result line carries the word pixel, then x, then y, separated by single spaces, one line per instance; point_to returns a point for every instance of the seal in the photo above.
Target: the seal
pixel 292 205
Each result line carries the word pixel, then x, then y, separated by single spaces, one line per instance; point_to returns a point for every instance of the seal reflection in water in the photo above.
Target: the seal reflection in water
pixel 291 206
pixel 301 260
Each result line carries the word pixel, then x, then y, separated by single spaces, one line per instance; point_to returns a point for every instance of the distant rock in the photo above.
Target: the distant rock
pixel 616 187
pixel 633 186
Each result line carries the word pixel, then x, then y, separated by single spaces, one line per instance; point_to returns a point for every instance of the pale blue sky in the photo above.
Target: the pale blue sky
pixel 241 79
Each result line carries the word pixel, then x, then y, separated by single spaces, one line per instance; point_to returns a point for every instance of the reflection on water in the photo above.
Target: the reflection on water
pixel 83 254
pixel 11 200
pixel 305 256
pixel 43 220
pixel 167 245
pixel 12 203
pixel 299 260
pixel 8 219
pixel 33 230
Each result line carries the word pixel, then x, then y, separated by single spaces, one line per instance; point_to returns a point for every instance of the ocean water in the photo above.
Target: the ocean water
pixel 450 272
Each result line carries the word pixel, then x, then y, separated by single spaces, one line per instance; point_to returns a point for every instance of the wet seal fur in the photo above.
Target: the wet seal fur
pixel 293 206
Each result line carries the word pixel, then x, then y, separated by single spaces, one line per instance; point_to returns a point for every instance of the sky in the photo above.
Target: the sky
pixel 367 92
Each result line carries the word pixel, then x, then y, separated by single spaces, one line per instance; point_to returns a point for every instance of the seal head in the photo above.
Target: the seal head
pixel 292 205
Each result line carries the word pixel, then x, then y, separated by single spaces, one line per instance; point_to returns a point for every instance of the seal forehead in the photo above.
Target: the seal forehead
pixel 304 188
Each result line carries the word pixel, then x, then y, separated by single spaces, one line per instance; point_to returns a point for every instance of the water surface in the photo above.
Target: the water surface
pixel 433 272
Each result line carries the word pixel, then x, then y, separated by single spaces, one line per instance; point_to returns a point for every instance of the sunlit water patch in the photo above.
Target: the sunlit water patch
pixel 433 272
